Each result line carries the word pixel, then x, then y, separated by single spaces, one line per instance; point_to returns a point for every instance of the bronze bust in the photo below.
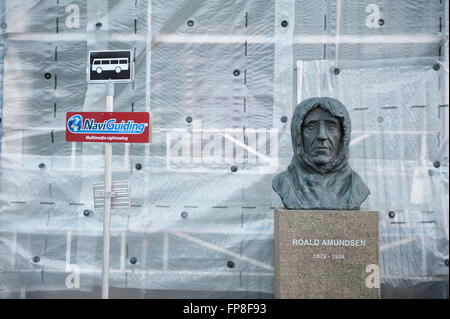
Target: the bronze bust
pixel 319 176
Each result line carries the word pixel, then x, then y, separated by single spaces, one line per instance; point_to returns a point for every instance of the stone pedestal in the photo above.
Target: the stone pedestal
pixel 326 254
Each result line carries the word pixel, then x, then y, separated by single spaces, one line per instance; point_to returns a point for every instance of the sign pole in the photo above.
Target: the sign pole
pixel 107 216
pixel 126 127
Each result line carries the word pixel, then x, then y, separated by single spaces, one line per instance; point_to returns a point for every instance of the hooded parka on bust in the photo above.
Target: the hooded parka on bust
pixel 305 185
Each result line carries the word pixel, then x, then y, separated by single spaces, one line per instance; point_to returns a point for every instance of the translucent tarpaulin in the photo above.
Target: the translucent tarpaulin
pixel 221 80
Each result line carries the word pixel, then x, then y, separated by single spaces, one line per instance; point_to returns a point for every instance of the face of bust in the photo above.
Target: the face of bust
pixel 321 133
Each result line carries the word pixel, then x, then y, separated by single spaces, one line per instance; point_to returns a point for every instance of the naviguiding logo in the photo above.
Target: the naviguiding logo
pixel 77 125
pixel 120 127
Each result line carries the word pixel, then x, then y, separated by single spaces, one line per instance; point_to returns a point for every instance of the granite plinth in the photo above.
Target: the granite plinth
pixel 326 254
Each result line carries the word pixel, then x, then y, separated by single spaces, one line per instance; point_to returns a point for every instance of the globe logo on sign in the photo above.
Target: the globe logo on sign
pixel 74 123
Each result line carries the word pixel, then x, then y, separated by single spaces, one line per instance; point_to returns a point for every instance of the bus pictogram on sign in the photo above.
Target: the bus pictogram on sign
pixel 110 66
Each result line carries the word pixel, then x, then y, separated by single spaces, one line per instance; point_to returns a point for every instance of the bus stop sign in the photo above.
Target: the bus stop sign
pixel 110 66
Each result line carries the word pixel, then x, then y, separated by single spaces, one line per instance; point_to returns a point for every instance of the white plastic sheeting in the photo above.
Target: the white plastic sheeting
pixel 219 78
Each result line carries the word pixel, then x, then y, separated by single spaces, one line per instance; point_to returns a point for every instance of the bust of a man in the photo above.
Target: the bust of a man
pixel 319 176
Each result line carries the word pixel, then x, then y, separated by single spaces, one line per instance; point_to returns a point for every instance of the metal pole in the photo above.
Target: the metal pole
pixel 107 216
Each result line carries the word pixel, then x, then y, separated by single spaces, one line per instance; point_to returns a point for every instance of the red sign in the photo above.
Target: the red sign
pixel 108 127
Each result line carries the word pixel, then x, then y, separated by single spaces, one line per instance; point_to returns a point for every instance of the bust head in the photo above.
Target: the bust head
pixel 321 134
pixel 319 176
